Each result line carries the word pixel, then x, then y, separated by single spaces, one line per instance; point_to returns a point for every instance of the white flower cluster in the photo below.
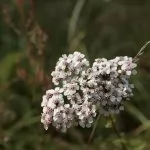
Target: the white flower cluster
pixel 66 106
pixel 107 83
pixel 69 68
pixel 84 91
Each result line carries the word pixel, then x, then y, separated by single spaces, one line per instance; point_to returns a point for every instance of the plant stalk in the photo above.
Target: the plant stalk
pixel 94 128
pixel 118 134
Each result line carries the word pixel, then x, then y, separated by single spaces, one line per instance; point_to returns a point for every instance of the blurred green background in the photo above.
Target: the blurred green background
pixel 35 33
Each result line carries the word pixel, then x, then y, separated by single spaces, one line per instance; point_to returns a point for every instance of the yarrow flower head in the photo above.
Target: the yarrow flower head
pixel 85 91
pixel 108 83
pixel 68 68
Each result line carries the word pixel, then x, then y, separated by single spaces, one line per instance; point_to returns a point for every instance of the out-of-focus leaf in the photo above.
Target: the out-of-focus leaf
pixel 74 19
pixel 145 126
pixel 136 113
pixel 27 120
pixel 6 65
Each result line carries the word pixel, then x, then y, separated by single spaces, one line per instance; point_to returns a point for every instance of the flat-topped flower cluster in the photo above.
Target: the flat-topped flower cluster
pixel 83 91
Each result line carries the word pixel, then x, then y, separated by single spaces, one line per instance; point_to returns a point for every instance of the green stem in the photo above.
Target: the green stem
pixel 118 134
pixel 141 51
pixel 74 19
pixel 94 128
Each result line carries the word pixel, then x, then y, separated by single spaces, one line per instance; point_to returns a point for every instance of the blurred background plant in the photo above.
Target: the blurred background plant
pixel 35 33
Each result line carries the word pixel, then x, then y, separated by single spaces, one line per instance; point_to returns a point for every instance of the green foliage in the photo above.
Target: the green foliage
pixel 6 65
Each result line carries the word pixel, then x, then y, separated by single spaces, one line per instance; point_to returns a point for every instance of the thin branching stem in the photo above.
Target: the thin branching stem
pixel 124 147
pixel 141 51
pixel 94 128
pixel 74 19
